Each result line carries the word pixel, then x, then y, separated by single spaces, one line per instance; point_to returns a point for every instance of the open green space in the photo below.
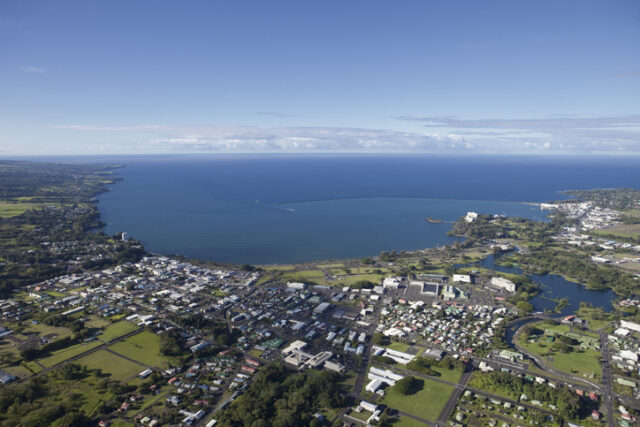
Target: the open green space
pixel 582 362
pixel 96 322
pixel 143 347
pixel 302 275
pixel 69 352
pixel 19 371
pixel 11 209
pixel 116 366
pixel 623 230
pixel 350 280
pixel 116 330
pixel 406 422
pixel 596 317
pixel 451 375
pixel 47 331
pixel 426 403
pixel 277 267
pixel 399 346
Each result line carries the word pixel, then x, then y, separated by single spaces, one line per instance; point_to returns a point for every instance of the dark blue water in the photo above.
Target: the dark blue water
pixel 281 209
pixel 554 286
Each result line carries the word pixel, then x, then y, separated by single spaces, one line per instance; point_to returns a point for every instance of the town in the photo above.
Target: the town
pixel 434 337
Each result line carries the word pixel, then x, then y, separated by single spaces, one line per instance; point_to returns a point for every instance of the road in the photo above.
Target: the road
pixel 453 399
pixel 366 354
pixel 607 392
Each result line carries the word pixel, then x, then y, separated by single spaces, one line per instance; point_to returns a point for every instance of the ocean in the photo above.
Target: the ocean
pixel 265 209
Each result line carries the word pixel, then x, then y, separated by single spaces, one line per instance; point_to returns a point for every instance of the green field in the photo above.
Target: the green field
pixel 11 209
pixel 427 403
pixel 451 375
pixel 623 230
pixel 578 361
pixel 46 330
pixel 399 346
pixel 143 347
pixel 350 280
pixel 407 422
pixel 67 353
pixel 109 363
pixel 116 330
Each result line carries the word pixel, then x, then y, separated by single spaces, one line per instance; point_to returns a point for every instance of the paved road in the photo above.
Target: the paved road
pixel 366 354
pixel 453 399
pixel 607 394
pixel 541 364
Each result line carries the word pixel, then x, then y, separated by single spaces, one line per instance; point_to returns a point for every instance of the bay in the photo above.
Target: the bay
pixel 262 209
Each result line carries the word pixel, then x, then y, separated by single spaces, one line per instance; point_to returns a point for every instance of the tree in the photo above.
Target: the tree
pixel 525 306
pixel 406 385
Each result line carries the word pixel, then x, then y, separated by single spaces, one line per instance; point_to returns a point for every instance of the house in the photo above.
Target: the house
pixel 6 378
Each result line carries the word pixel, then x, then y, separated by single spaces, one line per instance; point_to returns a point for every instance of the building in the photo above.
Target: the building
pixel 6 378
pixel 321 308
pixel 449 292
pixel 391 282
pixel 333 366
pixel 125 237
pixel 513 356
pixel 630 325
pixel 471 216
pixel 434 353
pixel 379 377
pixel 462 278
pixel 296 345
pixel 296 285
pixel 503 283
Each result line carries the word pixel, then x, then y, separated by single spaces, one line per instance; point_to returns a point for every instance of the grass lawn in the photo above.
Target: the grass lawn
pixel 46 330
pixel 143 347
pixel 109 363
pixel 362 415
pixel 426 403
pixel 32 366
pixel 451 375
pixel 11 209
pixel 399 346
pixel 331 265
pixel 255 352
pixel 347 382
pixel 597 318
pixel 302 275
pixel 116 330
pixel 68 353
pixel 96 322
pixel 19 371
pixel 578 361
pixel 622 230
pixel 407 422
pixel 153 399
pixel 277 267
pixel 350 280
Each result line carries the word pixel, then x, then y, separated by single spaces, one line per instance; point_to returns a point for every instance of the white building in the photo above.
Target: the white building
pixel 296 285
pixel 462 278
pixel 630 325
pixel 471 216
pixel 321 308
pixel 503 283
pixel 391 282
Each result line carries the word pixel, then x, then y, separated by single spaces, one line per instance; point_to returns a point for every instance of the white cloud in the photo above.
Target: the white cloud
pixel 36 70
pixel 557 135
pixel 284 139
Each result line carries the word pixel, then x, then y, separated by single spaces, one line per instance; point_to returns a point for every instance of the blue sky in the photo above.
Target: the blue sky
pixel 539 77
